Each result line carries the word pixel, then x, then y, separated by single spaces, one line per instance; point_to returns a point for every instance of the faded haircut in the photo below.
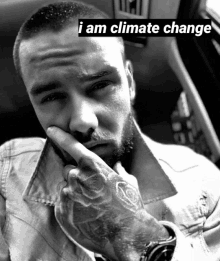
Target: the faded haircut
pixel 56 17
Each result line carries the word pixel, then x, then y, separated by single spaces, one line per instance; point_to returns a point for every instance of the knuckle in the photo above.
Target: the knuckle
pixel 69 167
pixel 72 178
pixel 73 181
pixel 69 171
pixel 63 141
pixel 68 193
pixel 87 164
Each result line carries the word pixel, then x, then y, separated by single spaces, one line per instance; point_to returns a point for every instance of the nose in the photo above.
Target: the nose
pixel 83 117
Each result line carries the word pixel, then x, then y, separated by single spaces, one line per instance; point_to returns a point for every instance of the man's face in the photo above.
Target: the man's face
pixel 83 86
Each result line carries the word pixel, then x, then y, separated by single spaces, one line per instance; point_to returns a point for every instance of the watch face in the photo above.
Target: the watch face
pixel 161 253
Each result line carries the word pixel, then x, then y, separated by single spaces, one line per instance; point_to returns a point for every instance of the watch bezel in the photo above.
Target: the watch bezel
pixel 151 253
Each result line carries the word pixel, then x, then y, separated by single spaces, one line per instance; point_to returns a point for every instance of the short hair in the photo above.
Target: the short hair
pixel 55 17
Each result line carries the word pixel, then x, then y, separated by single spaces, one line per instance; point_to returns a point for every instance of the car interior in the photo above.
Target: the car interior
pixel 177 78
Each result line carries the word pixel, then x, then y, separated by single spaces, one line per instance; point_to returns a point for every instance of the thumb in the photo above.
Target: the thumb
pixel 118 168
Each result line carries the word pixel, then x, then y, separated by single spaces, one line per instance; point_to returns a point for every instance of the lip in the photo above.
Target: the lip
pixel 100 149
pixel 93 145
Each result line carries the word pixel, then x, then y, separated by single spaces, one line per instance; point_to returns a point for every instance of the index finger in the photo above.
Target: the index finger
pixel 68 143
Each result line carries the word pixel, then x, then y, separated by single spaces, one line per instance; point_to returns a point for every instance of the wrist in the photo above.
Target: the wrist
pixel 150 230
pixel 160 250
pixel 158 236
pixel 161 247
pixel 145 230
pixel 128 244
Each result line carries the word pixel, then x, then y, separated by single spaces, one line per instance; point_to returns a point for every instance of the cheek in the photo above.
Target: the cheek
pixel 116 113
pixel 49 117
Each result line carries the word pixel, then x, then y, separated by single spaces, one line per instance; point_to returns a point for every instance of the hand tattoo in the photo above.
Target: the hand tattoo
pixel 102 201
pixel 99 208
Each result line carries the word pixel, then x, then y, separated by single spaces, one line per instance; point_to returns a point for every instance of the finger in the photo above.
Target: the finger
pixel 68 169
pixel 61 185
pixel 71 176
pixel 68 143
pixel 65 205
pixel 120 169
pixel 123 173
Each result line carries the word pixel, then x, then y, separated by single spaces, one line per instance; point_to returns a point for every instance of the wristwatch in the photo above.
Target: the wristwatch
pixel 161 250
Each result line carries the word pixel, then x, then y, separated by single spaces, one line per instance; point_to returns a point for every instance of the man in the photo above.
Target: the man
pixel 71 196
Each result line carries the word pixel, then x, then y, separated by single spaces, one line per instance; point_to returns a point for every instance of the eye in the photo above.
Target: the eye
pixel 53 97
pixel 100 85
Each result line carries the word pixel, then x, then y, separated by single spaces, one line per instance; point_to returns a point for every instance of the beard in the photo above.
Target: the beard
pixel 121 152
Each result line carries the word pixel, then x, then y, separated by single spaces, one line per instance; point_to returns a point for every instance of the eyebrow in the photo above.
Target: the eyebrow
pixel 95 76
pixel 38 89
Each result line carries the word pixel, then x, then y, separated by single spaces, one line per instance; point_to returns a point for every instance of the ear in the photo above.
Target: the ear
pixel 131 82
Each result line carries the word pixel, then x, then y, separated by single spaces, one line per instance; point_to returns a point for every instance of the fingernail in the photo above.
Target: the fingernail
pixel 49 130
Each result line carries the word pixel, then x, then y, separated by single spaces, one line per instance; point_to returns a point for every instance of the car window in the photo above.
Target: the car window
pixel 213 6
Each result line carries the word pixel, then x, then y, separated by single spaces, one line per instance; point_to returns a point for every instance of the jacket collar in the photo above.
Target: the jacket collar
pixel 47 179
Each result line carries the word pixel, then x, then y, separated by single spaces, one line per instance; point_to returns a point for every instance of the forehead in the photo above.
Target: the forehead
pixel 49 48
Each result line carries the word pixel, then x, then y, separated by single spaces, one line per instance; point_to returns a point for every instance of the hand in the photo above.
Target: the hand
pixel 100 208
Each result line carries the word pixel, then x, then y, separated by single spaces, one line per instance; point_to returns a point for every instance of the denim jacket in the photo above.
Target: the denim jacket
pixel 179 187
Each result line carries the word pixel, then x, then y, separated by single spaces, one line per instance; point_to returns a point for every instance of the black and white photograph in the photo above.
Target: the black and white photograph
pixel 109 130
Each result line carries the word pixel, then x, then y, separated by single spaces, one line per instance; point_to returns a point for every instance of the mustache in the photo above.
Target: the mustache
pixel 90 136
pixel 83 138
pixel 86 137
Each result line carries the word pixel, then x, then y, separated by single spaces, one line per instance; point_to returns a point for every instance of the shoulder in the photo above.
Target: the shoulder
pixel 178 157
pixel 19 146
pixel 195 177
pixel 18 158
pixel 189 171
